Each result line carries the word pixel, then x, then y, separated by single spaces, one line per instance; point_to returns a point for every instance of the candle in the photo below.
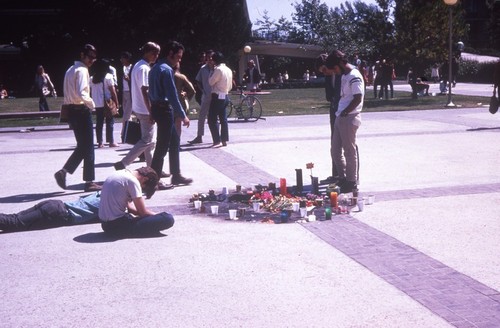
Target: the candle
pixel 300 183
pixel 328 213
pixel 333 199
pixel 283 186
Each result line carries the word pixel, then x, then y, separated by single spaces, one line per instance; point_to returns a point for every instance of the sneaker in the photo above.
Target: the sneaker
pixel 348 186
pixel 119 166
pixel 164 186
pixel 165 175
pixel 196 140
pixel 61 178
pixel 113 145
pixel 92 186
pixel 180 180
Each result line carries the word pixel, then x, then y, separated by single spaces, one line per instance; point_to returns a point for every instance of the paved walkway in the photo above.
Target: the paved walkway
pixel 424 255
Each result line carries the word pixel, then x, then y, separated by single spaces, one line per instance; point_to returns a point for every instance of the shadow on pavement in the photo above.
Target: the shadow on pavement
pixel 22 198
pixel 101 237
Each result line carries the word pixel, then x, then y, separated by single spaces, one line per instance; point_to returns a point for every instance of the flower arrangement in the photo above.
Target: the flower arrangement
pixel 310 166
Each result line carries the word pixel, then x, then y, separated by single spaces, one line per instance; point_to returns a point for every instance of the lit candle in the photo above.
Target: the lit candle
pixel 333 199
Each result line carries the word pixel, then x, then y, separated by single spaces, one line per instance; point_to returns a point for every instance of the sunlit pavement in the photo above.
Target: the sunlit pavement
pixel 425 254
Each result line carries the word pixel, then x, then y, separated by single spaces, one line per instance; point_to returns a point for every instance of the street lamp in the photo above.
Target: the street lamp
pixel 450 4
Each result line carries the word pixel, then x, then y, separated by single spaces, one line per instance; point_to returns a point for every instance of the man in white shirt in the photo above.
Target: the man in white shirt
pixel 348 120
pixel 141 106
pixel 80 106
pixel 122 209
pixel 221 82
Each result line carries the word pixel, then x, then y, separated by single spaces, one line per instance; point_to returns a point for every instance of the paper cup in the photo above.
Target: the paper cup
pixel 303 212
pixel 214 209
pixel 197 204
pixel 256 206
pixel 232 214
pixel 311 218
pixel 295 207
pixel 361 204
pixel 371 199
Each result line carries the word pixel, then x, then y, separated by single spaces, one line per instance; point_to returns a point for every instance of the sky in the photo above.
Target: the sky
pixel 278 8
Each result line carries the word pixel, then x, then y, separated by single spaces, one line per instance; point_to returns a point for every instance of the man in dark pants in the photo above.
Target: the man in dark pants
pixel 332 93
pixel 164 101
pixel 77 98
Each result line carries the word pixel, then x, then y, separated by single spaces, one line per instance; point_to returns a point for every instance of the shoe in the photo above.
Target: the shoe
pixel 224 144
pixel 113 145
pixel 164 186
pixel 100 145
pixel 196 140
pixel 165 175
pixel 61 178
pixel 119 166
pixel 330 180
pixel 216 145
pixel 92 186
pixel 180 180
pixel 348 186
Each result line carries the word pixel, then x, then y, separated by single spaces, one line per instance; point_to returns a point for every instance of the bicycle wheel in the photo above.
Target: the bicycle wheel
pixel 229 108
pixel 251 109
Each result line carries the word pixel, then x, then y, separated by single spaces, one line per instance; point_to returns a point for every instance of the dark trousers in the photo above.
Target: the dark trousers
pixel 80 120
pixel 47 214
pixel 334 105
pixel 167 140
pixel 43 106
pixel 218 111
pixel 130 225
pixel 110 121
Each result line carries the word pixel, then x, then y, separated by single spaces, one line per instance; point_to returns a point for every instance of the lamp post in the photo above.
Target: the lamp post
pixel 450 4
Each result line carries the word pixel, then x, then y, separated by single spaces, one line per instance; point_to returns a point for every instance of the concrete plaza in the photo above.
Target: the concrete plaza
pixel 425 254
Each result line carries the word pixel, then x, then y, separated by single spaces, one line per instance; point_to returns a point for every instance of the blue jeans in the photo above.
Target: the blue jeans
pixel 167 140
pixel 218 111
pixel 46 214
pixel 130 225
pixel 110 121
pixel 80 120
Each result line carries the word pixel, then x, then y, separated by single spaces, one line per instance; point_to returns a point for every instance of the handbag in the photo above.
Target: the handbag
pixel 64 115
pixel 110 107
pixel 131 132
pixel 493 103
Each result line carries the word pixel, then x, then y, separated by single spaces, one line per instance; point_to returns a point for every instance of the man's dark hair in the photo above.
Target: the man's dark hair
pixel 149 46
pixel 126 55
pixel 173 46
pixel 150 185
pixel 335 58
pixel 320 61
pixel 87 49
pixel 218 57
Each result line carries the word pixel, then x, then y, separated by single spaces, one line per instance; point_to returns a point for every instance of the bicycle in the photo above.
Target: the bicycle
pixel 249 109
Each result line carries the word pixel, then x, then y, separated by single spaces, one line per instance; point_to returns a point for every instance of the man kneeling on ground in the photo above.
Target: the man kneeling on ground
pixel 123 210
pixel 120 207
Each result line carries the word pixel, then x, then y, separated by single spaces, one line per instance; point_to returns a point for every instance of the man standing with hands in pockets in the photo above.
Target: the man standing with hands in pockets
pixel 164 102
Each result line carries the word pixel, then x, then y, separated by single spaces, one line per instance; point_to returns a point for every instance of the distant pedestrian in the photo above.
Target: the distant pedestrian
pixel 102 88
pixel 126 60
pixel 186 92
pixel 221 82
pixel 44 88
pixel 77 97
pixel 435 73
pixel 252 76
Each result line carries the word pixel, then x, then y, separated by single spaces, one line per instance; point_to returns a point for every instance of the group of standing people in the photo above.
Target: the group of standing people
pixel 344 89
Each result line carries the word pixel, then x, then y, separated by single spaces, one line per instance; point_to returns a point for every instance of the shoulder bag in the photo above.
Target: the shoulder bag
pixel 110 107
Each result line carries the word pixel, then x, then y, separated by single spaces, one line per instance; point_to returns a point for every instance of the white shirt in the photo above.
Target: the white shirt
pixel 76 86
pixel 351 84
pixel 139 78
pixel 97 89
pixel 117 191
pixel 126 72
pixel 221 80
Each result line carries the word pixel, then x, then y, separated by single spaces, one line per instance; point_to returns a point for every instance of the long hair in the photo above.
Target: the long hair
pixel 100 68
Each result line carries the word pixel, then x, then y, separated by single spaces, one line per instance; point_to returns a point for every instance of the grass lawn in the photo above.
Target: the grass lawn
pixel 308 101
